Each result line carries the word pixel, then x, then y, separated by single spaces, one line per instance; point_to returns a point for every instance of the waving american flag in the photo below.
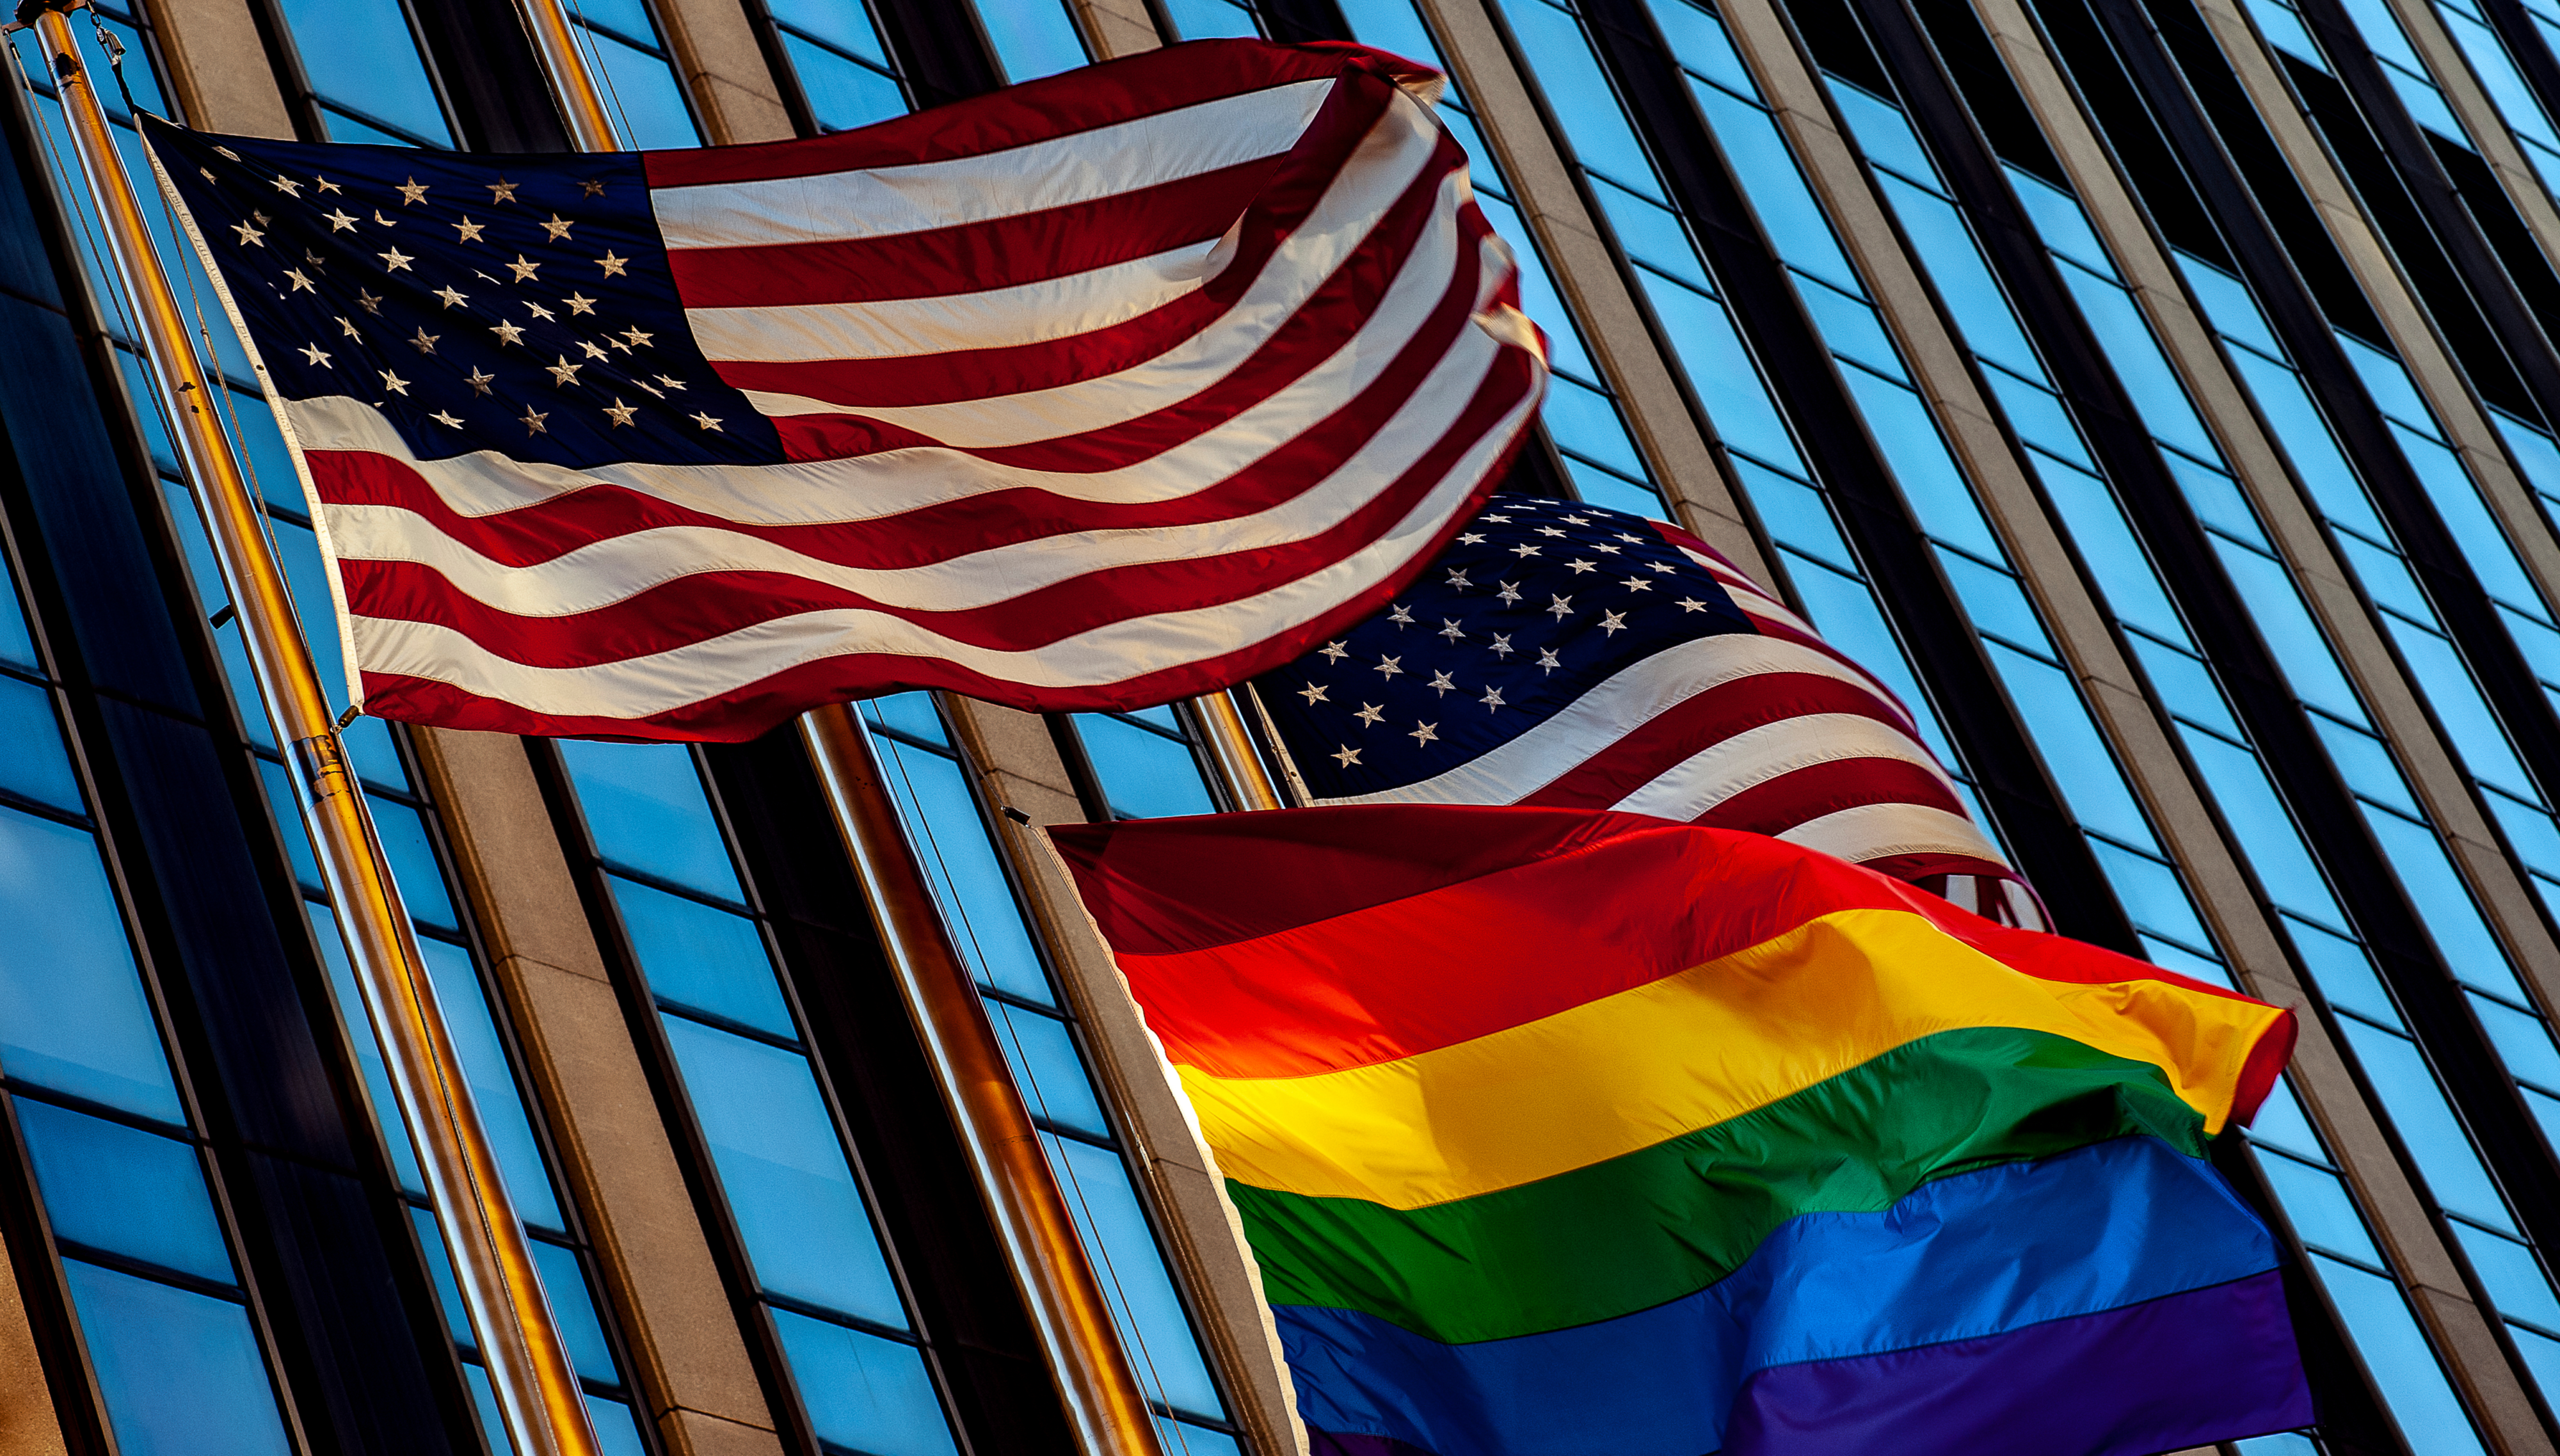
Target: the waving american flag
pixel 1095 392
pixel 1568 656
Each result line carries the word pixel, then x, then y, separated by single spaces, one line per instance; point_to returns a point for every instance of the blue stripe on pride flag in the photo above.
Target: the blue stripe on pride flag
pixel 2116 1225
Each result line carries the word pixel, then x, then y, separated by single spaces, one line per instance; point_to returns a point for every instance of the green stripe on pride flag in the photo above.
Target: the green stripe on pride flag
pixel 1653 1225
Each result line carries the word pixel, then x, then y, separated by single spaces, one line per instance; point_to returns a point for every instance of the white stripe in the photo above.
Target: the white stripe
pixel 1395 153
pixel 1877 831
pixel 994 318
pixel 1747 759
pixel 1634 696
pixel 883 202
pixel 1114 652
pixel 621 566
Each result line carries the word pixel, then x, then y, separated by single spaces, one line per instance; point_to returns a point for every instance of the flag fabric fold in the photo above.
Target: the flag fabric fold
pixel 1559 1132
pixel 1563 655
pixel 1094 392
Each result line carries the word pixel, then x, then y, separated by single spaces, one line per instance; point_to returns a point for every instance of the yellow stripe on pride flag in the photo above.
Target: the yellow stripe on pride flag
pixel 1662 1060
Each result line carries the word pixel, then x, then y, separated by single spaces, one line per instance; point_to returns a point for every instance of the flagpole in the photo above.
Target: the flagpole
pixel 537 1392
pixel 1105 1407
pixel 1230 747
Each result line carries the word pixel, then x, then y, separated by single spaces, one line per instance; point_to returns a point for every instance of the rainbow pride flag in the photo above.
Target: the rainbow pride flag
pixel 1558 1132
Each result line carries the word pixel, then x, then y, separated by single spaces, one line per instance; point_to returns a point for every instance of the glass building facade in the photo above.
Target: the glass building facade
pixel 2160 395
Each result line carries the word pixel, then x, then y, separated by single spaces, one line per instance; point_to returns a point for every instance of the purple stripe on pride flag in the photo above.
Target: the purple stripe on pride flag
pixel 2188 1369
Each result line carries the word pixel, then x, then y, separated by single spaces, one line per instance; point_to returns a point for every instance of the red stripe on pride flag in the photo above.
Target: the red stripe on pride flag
pixel 1300 941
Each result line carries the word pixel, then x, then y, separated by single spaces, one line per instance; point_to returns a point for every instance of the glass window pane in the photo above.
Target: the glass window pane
pixel 2515 1281
pixel 1033 38
pixel 843 93
pixel 703 958
pixel 465 1003
pixel 784 1173
pixel 1042 1054
pixel 967 880
pixel 2322 1214
pixel 412 860
pixel 368 1053
pixel 440 1269
pixel 33 761
pixel 360 54
pixel 565 1287
pixel 72 1011
pixel 844 24
pixel 180 1372
pixel 648 105
pixel 2416 1105
pixel 1123 1249
pixel 17 648
pixel 1202 20
pixel 863 1392
pixel 2412 1384
pixel 124 1191
pixel 912 713
pixel 1145 774
pixel 644 805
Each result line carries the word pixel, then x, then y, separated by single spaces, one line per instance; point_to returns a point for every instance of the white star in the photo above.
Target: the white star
pixel 1425 732
pixel 1510 592
pixel 1313 694
pixel 314 354
pixel 394 382
pixel 673 384
pixel 228 152
pixel 452 298
pixel 445 420
pixel 581 303
pixel 1333 651
pixel 1493 700
pixel 501 190
pixel 1501 645
pixel 479 382
pixel 249 237
pixel 1347 757
pixel 302 281
pixel 534 421
pixel 1548 531
pixel 1628 536
pixel 411 191
pixel 324 184
pixel 1581 567
pixel 1471 538
pixel 1441 686
pixel 1637 583
pixel 1577 520
pixel 620 411
pixel 1370 715
pixel 339 220
pixel 707 423
pixel 1402 616
pixel 349 329
pixel 1560 608
pixel 637 338
pixel 424 343
pixel 1450 629
pixel 1458 580
pixel 395 261
pixel 592 187
pixel 1662 566
pixel 562 372
pixel 1606 549
pixel 1524 551
pixel 523 270
pixel 537 311
pixel 1613 623
pixel 470 231
pixel 285 185
pixel 369 303
pixel 613 265
pixel 1691 604
pixel 557 228
pixel 1389 666
pixel 382 220
pixel 1506 520
pixel 589 350
pixel 506 333
pixel 1546 659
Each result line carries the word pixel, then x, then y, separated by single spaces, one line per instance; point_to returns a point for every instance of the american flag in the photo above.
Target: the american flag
pixel 1095 392
pixel 1565 655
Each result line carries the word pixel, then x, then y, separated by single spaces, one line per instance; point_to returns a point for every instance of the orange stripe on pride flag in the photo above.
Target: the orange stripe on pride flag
pixel 1319 940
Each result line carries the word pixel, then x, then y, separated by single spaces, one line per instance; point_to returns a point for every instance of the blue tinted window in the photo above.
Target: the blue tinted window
pixel 363 64
pixel 1041 1051
pixel 1146 774
pixel 72 1011
pixel 1122 1245
pixel 1033 38
pixel 645 808
pixel 843 93
pixel 951 841
pixel 784 1171
pixel 33 761
pixel 2395 1351
pixel 863 1392
pixel 368 1052
pixel 180 1372
pixel 117 1189
pixel 493 1082
pixel 17 648
pixel 704 959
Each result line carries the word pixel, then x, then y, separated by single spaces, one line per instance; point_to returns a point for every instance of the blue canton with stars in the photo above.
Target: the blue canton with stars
pixel 1535 602
pixel 519 304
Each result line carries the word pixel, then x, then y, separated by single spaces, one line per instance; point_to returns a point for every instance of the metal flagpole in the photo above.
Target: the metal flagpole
pixel 1105 1405
pixel 1230 747
pixel 538 1391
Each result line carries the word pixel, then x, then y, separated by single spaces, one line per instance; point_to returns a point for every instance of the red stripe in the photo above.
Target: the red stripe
pixel 1343 302
pixel 696 607
pixel 1699 723
pixel 972 258
pixel 1803 795
pixel 1039 110
pixel 1507 915
pixel 756 707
